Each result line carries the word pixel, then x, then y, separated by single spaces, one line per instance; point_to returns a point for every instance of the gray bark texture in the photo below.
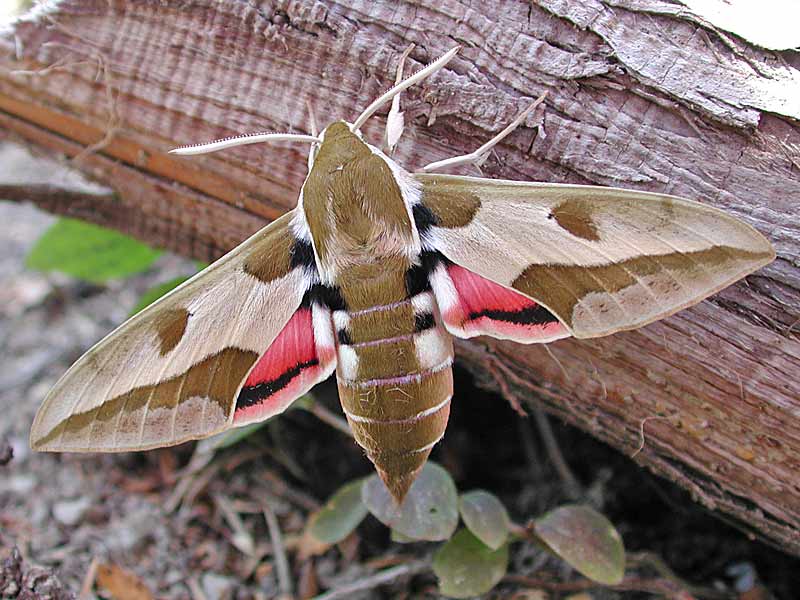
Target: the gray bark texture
pixel 642 94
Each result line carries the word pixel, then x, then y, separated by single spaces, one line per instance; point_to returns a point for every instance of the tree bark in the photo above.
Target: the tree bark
pixel 642 94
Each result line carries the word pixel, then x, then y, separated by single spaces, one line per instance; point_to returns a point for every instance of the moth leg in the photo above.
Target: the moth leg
pixel 478 157
pixel 394 122
pixel 406 83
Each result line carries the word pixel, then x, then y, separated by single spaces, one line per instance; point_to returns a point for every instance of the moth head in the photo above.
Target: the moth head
pixel 339 145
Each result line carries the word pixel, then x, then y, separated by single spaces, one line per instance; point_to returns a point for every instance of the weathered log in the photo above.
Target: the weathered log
pixel 641 95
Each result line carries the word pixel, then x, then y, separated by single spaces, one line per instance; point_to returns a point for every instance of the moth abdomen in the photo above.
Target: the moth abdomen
pixel 423 321
pixel 395 383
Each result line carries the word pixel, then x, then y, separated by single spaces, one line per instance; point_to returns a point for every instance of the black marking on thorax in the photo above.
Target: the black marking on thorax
pixel 423 321
pixel 303 255
pixel 418 276
pixel 324 295
pixel 424 218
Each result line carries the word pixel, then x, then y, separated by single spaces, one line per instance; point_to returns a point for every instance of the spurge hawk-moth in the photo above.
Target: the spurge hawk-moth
pixel 371 276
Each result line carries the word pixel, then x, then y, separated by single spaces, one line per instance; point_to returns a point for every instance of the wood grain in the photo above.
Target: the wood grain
pixel 639 96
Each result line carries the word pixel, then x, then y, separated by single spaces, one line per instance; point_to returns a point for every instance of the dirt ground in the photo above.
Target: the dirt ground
pixel 193 525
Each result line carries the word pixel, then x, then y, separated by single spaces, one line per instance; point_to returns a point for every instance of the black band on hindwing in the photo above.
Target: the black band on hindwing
pixel 254 394
pixel 531 315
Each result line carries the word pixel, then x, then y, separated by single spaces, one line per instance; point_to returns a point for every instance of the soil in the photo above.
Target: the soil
pixel 184 524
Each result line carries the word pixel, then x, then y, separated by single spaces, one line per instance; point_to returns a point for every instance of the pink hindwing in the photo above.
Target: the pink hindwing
pixel 301 356
pixel 472 305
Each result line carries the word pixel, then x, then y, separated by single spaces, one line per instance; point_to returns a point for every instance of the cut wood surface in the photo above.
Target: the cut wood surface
pixel 641 95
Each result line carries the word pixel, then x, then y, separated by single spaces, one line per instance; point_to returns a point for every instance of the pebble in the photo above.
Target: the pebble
pixel 70 512
pixel 131 529
pixel 218 586
pixel 19 484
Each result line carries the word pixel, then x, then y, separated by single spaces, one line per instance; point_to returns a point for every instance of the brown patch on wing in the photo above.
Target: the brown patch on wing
pixel 562 287
pixel 452 208
pixel 170 325
pixel 271 256
pixel 575 216
pixel 203 397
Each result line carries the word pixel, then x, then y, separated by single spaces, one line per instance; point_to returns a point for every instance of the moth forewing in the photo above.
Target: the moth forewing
pixel 173 371
pixel 601 259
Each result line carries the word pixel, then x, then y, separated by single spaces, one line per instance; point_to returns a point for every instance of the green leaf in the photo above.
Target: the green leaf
pixel 486 517
pixel 155 292
pixel 429 511
pixel 236 435
pixel 398 537
pixel 89 252
pixel 586 540
pixel 304 402
pixel 467 567
pixel 340 516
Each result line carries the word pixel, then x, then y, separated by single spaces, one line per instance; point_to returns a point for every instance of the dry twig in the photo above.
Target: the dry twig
pixel 376 580
pixel 278 551
pixel 572 486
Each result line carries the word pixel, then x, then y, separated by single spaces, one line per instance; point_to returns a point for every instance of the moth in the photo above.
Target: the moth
pixel 371 276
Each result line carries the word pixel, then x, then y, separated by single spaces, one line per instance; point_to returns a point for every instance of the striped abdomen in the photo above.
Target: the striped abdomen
pixel 395 383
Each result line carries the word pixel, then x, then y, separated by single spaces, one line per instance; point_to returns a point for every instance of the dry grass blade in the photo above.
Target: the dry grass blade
pixel 241 537
pixel 279 551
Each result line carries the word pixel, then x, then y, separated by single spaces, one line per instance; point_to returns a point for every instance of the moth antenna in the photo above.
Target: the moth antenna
pixel 312 118
pixel 242 140
pixel 418 76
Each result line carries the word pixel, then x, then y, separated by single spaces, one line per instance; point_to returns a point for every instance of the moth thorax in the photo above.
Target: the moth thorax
pixel 353 204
